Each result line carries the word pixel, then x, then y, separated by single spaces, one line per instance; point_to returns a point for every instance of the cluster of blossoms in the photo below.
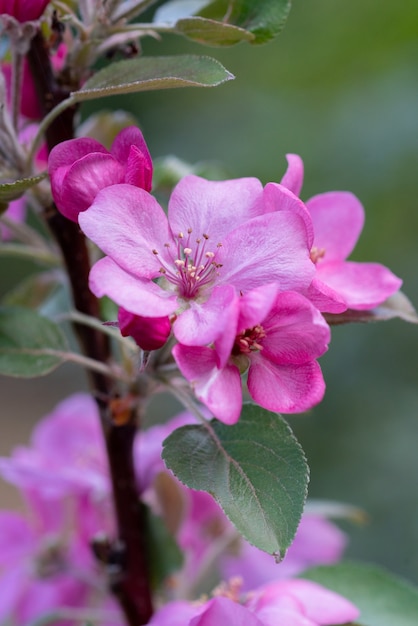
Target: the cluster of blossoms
pixel 47 566
pixel 237 273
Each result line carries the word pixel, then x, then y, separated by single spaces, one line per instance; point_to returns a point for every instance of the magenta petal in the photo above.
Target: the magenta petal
pixel 124 140
pixel 150 333
pixel 266 249
pixel 127 223
pixel 362 285
pixel 324 298
pixel 321 605
pixel 213 207
pixel 295 330
pixel 285 388
pixel 139 169
pixel 219 389
pixel 293 177
pixel 213 321
pixel 224 612
pixel 138 296
pixel 279 198
pixel 338 219
pixel 83 181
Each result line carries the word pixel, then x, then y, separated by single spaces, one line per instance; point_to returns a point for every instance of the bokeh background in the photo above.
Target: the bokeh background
pixel 339 87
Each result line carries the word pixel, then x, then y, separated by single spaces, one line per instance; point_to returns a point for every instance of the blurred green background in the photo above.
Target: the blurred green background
pixel 339 87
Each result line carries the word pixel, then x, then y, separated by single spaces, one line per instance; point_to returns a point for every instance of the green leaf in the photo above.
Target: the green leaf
pixel 165 557
pixel 27 343
pixel 383 599
pixel 255 470
pixel 396 306
pixel 149 73
pixel 212 32
pixel 264 19
pixel 34 290
pixel 16 189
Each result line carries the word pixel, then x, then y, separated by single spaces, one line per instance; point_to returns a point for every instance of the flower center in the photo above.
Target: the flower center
pixel 190 264
pixel 317 254
pixel 248 341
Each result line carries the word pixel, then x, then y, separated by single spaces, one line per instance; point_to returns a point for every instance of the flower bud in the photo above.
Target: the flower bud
pixel 150 333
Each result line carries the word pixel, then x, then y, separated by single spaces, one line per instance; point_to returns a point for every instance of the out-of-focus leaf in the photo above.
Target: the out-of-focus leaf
pixel 397 305
pixel 165 557
pixel 336 510
pixel 103 126
pixel 383 599
pixel 211 32
pixel 30 345
pixel 264 19
pixel 39 255
pixel 150 73
pixel 255 470
pixel 16 189
pixel 34 290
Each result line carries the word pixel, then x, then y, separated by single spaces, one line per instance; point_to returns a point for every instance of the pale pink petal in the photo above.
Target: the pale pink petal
pixel 321 605
pixel 293 177
pixel 127 223
pixel 287 613
pixel 362 285
pixel 285 388
pixel 176 613
pixel 213 321
pixel 324 298
pixel 266 249
pixel 338 219
pixel 222 611
pixel 279 198
pixel 141 297
pixel 213 207
pixel 295 330
pixel 83 181
pixel 255 305
pixel 219 389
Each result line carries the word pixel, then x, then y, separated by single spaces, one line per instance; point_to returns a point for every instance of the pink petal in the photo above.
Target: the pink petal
pixel 213 207
pixel 324 298
pixel 83 181
pixel 279 198
pixel 16 538
pixel 219 389
pixel 255 305
pixel 295 331
pixel 124 140
pixel 362 285
pixel 150 333
pixel 338 219
pixel 127 223
pixel 178 613
pixel 222 611
pixel 139 169
pixel 213 321
pixel 141 297
pixel 266 249
pixel 293 177
pixel 285 388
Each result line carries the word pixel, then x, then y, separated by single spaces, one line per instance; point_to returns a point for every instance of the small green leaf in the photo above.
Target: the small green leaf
pixel 149 73
pixel 264 19
pixel 212 32
pixel 383 599
pixel 165 557
pixel 255 470
pixel 16 189
pixel 27 343
pixel 395 306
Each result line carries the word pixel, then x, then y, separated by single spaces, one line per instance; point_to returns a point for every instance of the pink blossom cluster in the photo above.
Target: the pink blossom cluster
pixel 47 565
pixel 237 273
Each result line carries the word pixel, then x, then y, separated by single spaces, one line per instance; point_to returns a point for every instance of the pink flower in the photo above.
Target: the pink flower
pixel 290 602
pixel 279 336
pixel 216 243
pixel 80 168
pixel 338 219
pixel 16 211
pixel 23 10
pixel 150 333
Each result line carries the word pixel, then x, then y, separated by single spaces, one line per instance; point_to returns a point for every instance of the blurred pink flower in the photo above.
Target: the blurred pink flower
pixel 23 10
pixel 279 337
pixel 338 219
pixel 216 243
pixel 80 168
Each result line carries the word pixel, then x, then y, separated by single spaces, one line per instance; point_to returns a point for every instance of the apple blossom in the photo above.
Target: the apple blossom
pixel 216 243
pixel 279 337
pixel 338 219
pixel 80 168
pixel 23 10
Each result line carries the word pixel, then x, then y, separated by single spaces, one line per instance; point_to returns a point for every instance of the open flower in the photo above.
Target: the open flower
pixel 338 219
pixel 216 243
pixel 279 337
pixel 80 168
